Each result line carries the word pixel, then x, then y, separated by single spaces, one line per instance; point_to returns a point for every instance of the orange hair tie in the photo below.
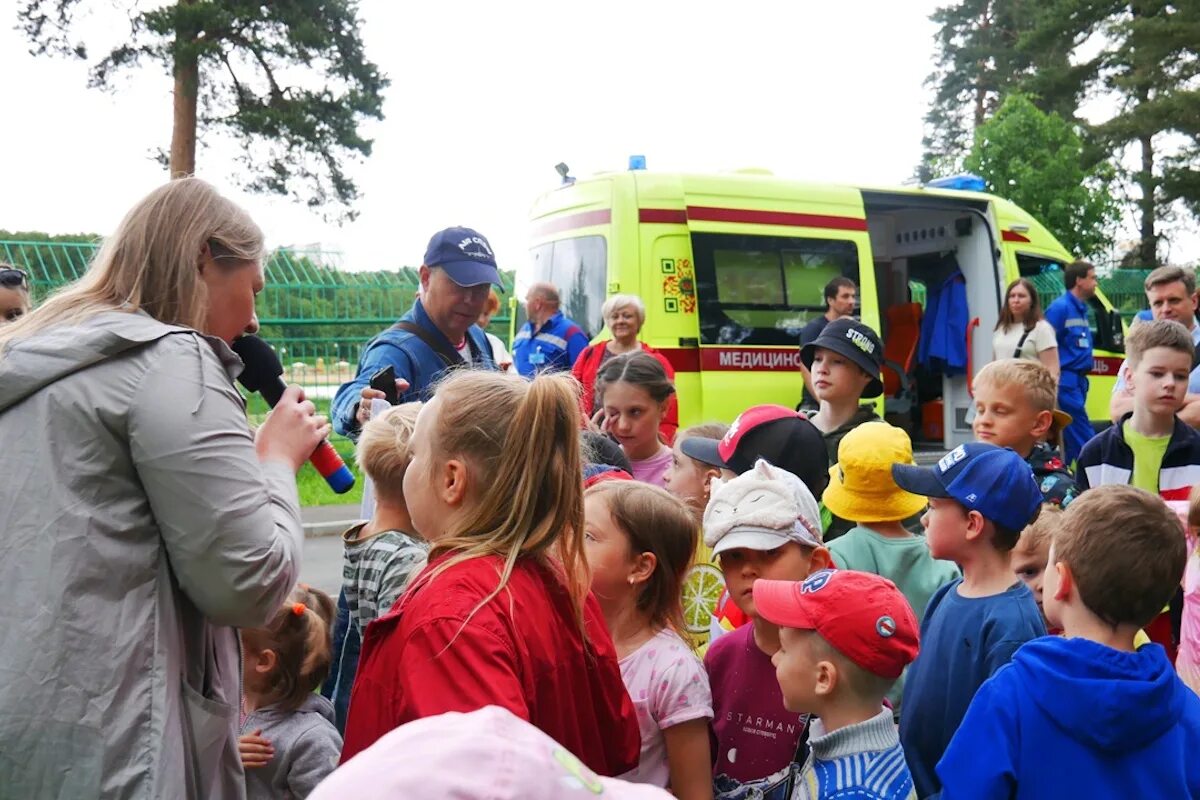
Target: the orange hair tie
pixel 298 609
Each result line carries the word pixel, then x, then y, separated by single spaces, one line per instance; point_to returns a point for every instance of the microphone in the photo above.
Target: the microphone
pixel 262 375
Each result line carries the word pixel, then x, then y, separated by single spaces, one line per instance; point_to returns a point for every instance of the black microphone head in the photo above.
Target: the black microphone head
pixel 262 364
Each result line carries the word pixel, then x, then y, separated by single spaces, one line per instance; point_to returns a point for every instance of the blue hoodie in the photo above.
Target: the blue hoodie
pixel 1073 718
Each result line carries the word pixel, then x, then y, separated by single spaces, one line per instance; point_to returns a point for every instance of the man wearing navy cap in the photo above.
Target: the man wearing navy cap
pixel 438 333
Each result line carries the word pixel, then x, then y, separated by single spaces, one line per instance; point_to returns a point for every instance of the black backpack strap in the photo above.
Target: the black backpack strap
pixel 1020 344
pixel 444 351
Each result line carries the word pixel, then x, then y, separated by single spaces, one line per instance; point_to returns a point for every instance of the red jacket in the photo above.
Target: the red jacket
pixel 521 651
pixel 587 366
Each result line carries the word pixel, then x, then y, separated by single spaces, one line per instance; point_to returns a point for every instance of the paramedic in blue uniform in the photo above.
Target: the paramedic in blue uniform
pixel 1068 315
pixel 548 341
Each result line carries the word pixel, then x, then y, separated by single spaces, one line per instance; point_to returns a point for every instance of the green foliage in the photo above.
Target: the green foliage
pixel 1035 160
pixel 1147 62
pixel 288 80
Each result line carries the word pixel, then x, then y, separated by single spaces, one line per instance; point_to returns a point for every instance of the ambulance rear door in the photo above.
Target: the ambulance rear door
pixel 763 250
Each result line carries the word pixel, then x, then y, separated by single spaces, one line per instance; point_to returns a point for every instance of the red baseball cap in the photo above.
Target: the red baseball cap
pixel 862 616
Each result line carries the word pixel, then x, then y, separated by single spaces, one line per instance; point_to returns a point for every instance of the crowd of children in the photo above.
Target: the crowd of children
pixel 883 628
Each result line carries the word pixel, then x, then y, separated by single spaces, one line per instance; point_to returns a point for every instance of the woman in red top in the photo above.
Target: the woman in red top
pixel 502 614
pixel 625 314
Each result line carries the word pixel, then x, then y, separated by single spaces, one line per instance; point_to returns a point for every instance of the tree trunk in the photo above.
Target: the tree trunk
pixel 982 78
pixel 187 85
pixel 1148 249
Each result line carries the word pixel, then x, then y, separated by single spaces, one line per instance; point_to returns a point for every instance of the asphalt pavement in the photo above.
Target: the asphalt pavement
pixel 322 564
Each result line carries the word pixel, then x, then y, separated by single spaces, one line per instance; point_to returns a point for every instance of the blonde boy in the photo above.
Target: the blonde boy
pixel 1015 407
pixel 1114 720
pixel 380 554
pixel 980 498
pixel 1030 556
pixel 845 637
pixel 765 523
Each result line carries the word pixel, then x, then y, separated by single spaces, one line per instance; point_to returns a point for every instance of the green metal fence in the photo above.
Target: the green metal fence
pixel 317 317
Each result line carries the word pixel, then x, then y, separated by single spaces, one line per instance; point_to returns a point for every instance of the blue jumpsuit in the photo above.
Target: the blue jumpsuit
pixel 1068 315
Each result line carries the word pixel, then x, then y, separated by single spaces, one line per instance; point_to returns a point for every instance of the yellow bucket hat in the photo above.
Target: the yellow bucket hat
pixel 861 487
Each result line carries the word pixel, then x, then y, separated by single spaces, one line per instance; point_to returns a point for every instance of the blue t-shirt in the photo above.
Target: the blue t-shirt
pixel 964 640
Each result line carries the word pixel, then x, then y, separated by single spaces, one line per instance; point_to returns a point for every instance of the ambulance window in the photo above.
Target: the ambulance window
pixel 763 289
pixel 579 268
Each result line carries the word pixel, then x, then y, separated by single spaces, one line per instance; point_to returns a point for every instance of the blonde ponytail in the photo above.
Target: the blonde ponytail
pixel 521 442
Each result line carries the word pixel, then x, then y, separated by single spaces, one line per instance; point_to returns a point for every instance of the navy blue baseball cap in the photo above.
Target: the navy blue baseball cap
pixel 466 256
pixel 992 480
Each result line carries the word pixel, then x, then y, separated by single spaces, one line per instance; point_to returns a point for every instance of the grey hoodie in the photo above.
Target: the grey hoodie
pixel 137 527
pixel 307 748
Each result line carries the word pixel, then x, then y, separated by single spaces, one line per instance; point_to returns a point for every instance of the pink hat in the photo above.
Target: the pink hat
pixel 489 754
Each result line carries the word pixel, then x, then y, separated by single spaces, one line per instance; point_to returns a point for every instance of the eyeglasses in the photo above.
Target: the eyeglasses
pixel 12 277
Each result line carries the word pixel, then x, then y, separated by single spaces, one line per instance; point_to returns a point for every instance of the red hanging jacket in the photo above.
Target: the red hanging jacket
pixel 522 651
pixel 587 366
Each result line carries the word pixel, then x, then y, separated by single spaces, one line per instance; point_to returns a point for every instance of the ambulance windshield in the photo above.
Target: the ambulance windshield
pixel 579 268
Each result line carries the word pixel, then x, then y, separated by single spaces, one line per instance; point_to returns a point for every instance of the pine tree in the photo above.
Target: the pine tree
pixel 287 79
pixel 1143 57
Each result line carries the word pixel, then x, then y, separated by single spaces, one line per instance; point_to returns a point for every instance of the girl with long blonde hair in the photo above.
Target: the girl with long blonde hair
pixel 501 615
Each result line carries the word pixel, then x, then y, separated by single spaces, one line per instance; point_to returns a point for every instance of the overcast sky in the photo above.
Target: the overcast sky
pixel 487 97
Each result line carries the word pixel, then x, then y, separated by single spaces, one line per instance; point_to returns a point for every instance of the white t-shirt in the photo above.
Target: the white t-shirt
pixel 1042 337
pixel 499 352
pixel 668 685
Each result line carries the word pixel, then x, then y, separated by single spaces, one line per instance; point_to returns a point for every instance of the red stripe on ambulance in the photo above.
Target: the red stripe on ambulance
pixel 1106 366
pixel 1013 236
pixel 791 219
pixel 584 219
pixel 669 216
pixel 731 359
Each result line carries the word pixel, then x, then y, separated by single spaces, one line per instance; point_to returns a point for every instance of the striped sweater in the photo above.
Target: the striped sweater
pixel 1107 459
pixel 859 762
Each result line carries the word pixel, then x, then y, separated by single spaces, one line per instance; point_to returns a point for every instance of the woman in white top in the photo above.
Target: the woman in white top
pixel 1022 331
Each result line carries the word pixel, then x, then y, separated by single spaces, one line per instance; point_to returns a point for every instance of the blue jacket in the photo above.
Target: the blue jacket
pixel 943 343
pixel 413 360
pixel 1107 459
pixel 1073 718
pixel 551 348
pixel 1069 317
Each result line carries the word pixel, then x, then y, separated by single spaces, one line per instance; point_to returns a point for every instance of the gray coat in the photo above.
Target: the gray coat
pixel 307 748
pixel 137 529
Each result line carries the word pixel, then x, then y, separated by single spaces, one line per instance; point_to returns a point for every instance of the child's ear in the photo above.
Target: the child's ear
pixel 976 525
pixel 1042 426
pixel 1066 581
pixel 710 474
pixel 827 678
pixel 819 560
pixel 643 567
pixel 267 659
pixel 453 482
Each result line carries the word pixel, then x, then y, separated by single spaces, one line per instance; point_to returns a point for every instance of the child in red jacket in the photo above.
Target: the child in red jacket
pixel 501 615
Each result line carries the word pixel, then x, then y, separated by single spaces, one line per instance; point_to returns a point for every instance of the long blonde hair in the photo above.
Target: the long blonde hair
pixel 521 441
pixel 150 262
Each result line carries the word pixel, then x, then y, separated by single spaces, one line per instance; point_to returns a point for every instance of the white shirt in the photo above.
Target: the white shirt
pixel 1042 337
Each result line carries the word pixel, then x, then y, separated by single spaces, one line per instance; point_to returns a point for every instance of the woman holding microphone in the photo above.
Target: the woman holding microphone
pixel 140 520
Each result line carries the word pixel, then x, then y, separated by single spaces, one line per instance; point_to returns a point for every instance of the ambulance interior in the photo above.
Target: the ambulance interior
pixel 939 282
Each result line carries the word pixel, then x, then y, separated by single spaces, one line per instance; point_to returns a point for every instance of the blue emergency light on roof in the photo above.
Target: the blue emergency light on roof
pixel 637 162
pixel 966 182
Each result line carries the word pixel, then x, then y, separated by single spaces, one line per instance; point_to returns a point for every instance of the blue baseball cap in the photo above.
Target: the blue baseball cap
pixel 466 256
pixel 992 480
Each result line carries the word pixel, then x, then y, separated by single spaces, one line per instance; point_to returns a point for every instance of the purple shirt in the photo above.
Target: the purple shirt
pixel 755 735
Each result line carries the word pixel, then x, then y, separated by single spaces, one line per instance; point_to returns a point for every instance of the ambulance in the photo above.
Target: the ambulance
pixel 732 266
